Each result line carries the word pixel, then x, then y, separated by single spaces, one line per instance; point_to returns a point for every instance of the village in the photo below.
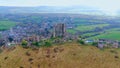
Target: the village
pixel 34 33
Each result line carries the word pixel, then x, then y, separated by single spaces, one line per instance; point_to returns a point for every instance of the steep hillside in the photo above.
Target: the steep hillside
pixel 69 55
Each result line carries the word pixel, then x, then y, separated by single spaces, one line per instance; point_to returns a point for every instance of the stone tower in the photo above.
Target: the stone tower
pixel 59 30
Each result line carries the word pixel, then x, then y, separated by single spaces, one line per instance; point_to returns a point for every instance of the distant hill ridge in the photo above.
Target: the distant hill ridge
pixel 51 9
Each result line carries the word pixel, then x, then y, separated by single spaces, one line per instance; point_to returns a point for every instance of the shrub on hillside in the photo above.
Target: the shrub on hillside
pixel 81 42
pixel 24 43
pixel 47 43
pixel 36 44
pixel 95 44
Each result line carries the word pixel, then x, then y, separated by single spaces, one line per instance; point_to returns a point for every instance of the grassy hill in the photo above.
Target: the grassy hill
pixel 68 55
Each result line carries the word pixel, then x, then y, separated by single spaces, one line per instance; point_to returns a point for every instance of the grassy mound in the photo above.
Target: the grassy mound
pixel 68 55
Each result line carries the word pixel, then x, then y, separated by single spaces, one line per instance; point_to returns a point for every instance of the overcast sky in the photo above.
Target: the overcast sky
pixel 106 5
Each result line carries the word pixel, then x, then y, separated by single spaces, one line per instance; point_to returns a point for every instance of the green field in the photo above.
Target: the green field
pixel 4 25
pixel 84 25
pixel 83 28
pixel 89 34
pixel 72 31
pixel 83 21
pixel 113 35
pixel 90 27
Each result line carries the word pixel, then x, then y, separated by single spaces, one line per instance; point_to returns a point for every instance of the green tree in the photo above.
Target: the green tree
pixel 24 43
pixel 47 43
pixel 81 42
pixel 37 44
pixel 94 43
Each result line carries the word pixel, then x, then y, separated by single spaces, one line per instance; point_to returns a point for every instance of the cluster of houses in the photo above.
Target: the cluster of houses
pixel 34 32
pixel 105 43
pixel 29 32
